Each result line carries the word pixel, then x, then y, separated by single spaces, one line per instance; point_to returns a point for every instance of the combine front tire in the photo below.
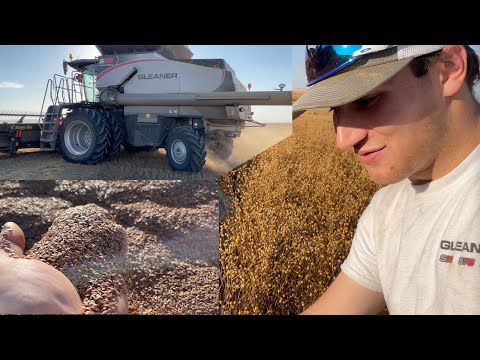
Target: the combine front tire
pixel 83 137
pixel 185 149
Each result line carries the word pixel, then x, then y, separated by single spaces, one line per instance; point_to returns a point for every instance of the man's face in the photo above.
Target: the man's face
pixel 397 130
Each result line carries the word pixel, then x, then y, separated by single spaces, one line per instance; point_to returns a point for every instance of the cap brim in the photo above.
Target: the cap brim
pixel 348 86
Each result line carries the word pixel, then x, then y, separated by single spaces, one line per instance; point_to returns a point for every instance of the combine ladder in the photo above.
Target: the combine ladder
pixel 61 93
pixel 50 128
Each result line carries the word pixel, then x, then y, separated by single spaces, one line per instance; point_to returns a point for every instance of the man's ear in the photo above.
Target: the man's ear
pixel 453 68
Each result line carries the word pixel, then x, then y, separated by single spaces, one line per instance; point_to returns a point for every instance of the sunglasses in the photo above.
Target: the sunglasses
pixel 322 61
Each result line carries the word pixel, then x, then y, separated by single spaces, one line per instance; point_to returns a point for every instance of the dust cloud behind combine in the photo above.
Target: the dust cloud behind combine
pixel 252 142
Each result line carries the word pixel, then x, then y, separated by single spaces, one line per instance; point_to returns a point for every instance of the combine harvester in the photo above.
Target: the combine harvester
pixel 143 97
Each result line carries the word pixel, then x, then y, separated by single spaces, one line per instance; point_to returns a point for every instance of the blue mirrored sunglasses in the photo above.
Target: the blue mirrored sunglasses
pixel 322 61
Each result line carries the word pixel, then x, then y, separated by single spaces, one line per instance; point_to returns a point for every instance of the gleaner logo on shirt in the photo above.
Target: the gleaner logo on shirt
pixel 460 246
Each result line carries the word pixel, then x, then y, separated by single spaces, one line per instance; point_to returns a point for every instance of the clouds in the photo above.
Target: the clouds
pixel 10 85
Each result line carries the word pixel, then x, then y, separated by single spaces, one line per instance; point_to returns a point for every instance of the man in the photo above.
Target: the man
pixel 409 113
pixel 30 286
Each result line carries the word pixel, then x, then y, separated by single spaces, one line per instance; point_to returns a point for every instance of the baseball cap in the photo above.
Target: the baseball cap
pixel 340 74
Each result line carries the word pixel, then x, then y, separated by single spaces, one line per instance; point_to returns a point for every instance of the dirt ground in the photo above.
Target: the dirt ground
pixel 34 164
pixel 172 228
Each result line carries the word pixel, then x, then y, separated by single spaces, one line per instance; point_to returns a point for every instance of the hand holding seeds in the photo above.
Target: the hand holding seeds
pixel 29 286
pixel 89 247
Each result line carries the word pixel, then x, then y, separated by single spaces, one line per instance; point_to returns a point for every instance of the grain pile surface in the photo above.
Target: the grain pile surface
pixel 89 248
pixel 171 263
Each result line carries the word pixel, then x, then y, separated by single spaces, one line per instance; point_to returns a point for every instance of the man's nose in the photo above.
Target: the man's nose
pixel 348 133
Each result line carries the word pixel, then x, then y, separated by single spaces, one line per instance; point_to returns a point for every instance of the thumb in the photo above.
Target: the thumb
pixel 12 232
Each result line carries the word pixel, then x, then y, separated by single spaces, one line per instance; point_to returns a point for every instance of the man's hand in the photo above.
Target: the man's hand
pixel 29 286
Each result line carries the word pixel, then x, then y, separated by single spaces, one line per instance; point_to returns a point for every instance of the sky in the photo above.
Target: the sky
pixel 298 61
pixel 25 70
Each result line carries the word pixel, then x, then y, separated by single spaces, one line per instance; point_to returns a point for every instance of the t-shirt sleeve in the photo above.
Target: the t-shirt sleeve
pixel 361 262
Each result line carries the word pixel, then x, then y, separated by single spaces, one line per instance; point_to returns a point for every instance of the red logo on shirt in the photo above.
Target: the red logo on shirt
pixel 446 258
pixel 466 261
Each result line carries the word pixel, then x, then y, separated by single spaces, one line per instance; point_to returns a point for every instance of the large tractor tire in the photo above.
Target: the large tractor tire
pixel 185 149
pixel 116 135
pixel 83 137
pixel 221 146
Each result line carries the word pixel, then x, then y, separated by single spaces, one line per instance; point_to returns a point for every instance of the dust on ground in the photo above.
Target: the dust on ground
pixel 172 228
pixel 34 164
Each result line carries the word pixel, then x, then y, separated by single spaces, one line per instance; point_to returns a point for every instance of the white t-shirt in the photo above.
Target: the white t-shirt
pixel 420 244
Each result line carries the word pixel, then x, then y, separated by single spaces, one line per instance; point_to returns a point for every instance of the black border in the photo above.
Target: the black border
pixel 236 22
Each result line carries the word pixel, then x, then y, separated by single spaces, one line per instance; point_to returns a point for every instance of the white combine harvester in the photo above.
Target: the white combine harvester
pixel 143 97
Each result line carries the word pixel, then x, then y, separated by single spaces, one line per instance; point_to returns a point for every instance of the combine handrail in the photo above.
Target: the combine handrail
pixel 49 85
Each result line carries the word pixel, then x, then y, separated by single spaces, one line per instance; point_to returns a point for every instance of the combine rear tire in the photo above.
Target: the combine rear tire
pixel 185 149
pixel 116 135
pixel 83 137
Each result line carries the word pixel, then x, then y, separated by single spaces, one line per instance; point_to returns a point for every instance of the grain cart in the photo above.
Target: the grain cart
pixel 147 97
pixel 18 131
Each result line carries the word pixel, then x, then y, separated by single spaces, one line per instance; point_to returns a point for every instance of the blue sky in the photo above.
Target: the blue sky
pixel 298 61
pixel 25 69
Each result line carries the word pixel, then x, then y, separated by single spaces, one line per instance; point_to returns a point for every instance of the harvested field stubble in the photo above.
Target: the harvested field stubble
pixel 291 215
pixel 33 164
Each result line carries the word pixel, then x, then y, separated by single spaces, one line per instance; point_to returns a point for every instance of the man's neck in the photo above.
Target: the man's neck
pixel 461 138
pixel 464 131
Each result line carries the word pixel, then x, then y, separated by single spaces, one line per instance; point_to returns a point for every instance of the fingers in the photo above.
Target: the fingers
pixel 13 233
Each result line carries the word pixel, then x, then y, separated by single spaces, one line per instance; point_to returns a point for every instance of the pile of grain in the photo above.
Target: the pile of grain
pixel 175 288
pixel 86 245
pixel 171 265
pixel 33 214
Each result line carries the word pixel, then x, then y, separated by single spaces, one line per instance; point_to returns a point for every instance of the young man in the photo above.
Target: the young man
pixel 409 113
pixel 30 286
